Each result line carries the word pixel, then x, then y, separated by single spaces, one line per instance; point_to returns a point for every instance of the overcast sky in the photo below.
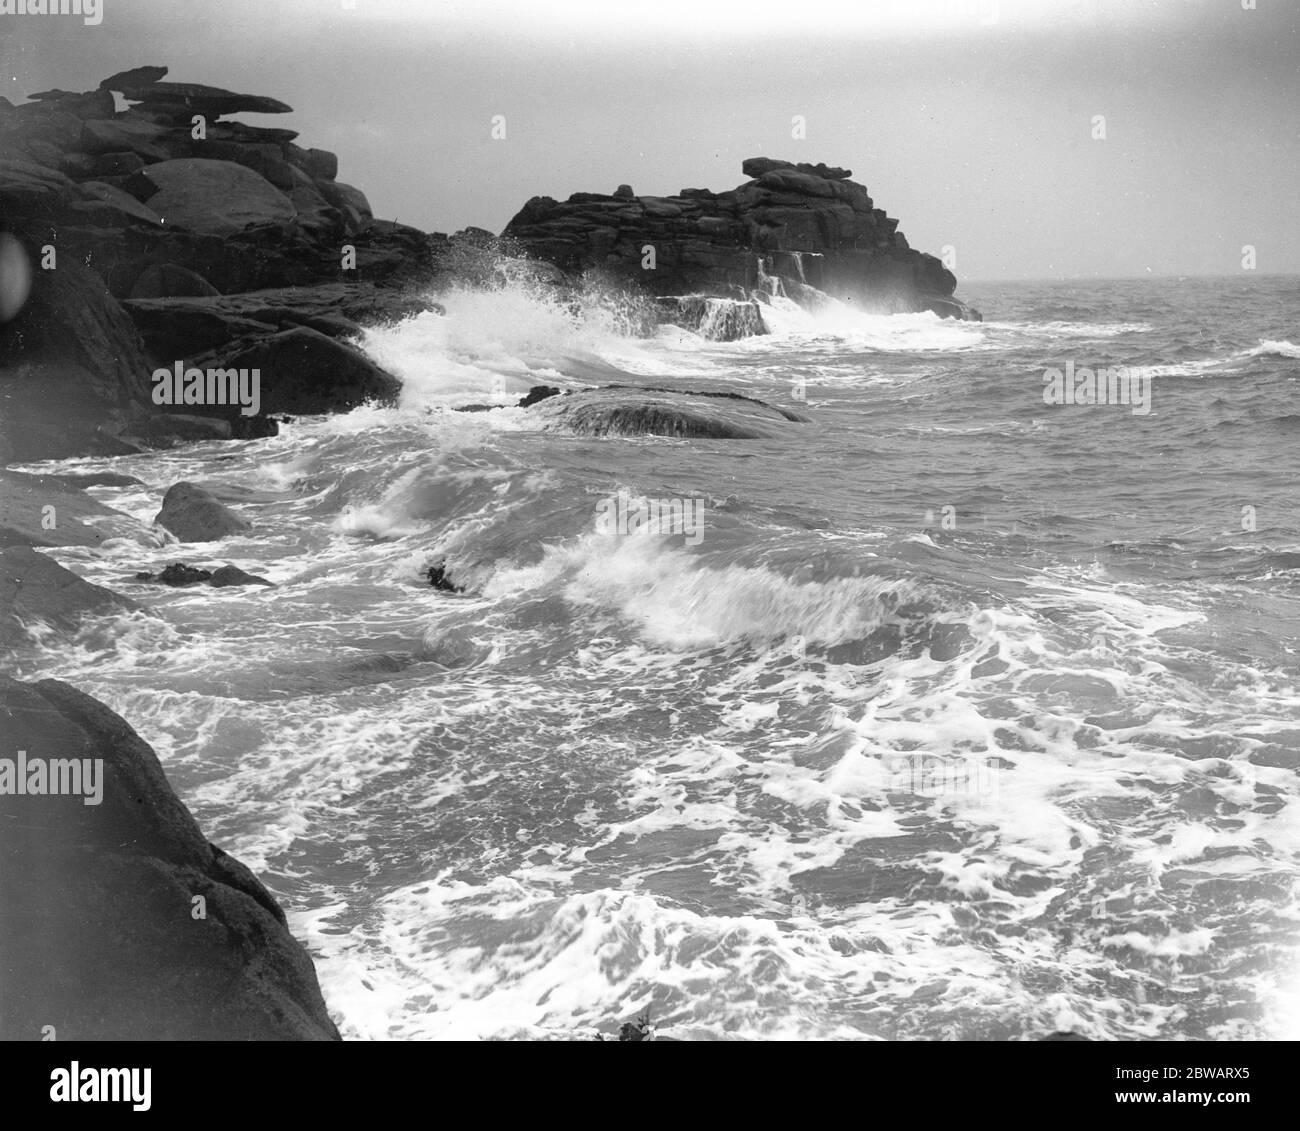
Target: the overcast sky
pixel 972 121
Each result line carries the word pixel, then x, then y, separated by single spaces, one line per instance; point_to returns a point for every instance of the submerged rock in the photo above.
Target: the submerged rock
pixel 121 922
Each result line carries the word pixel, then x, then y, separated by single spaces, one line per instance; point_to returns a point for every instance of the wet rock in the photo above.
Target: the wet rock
pixel 616 410
pixel 229 575
pixel 437 575
pixel 178 575
pixel 948 307
pixel 537 393
pixel 303 371
pixel 718 319
pixel 35 589
pixel 194 515
pixel 122 922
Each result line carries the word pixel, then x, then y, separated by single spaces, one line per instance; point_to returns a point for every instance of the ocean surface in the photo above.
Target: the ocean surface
pixel 960 715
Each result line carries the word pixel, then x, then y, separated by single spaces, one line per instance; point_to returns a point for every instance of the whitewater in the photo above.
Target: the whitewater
pixel 968 716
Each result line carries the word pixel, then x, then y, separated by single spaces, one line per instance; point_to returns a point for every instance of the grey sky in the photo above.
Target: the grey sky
pixel 970 120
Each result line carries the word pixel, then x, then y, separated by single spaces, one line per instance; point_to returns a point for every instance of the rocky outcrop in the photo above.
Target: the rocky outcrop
pixel 36 590
pixel 121 921
pixel 147 204
pixel 195 515
pixel 797 230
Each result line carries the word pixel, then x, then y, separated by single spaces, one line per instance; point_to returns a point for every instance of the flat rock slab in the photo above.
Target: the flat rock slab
pixel 618 410
pixel 24 520
pixel 203 99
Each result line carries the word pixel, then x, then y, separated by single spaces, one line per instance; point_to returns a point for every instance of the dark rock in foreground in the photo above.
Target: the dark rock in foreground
pixel 121 922
pixel 35 590
pixel 194 515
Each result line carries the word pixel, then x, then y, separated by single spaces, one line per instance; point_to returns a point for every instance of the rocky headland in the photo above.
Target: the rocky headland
pixel 800 231
pixel 169 232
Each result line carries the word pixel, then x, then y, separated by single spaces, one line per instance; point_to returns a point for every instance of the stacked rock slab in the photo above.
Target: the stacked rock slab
pixel 790 228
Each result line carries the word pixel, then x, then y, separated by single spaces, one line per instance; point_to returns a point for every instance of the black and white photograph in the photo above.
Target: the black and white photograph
pixel 563 521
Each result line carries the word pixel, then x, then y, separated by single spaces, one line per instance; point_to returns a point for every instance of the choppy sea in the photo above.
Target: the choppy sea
pixel 957 714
